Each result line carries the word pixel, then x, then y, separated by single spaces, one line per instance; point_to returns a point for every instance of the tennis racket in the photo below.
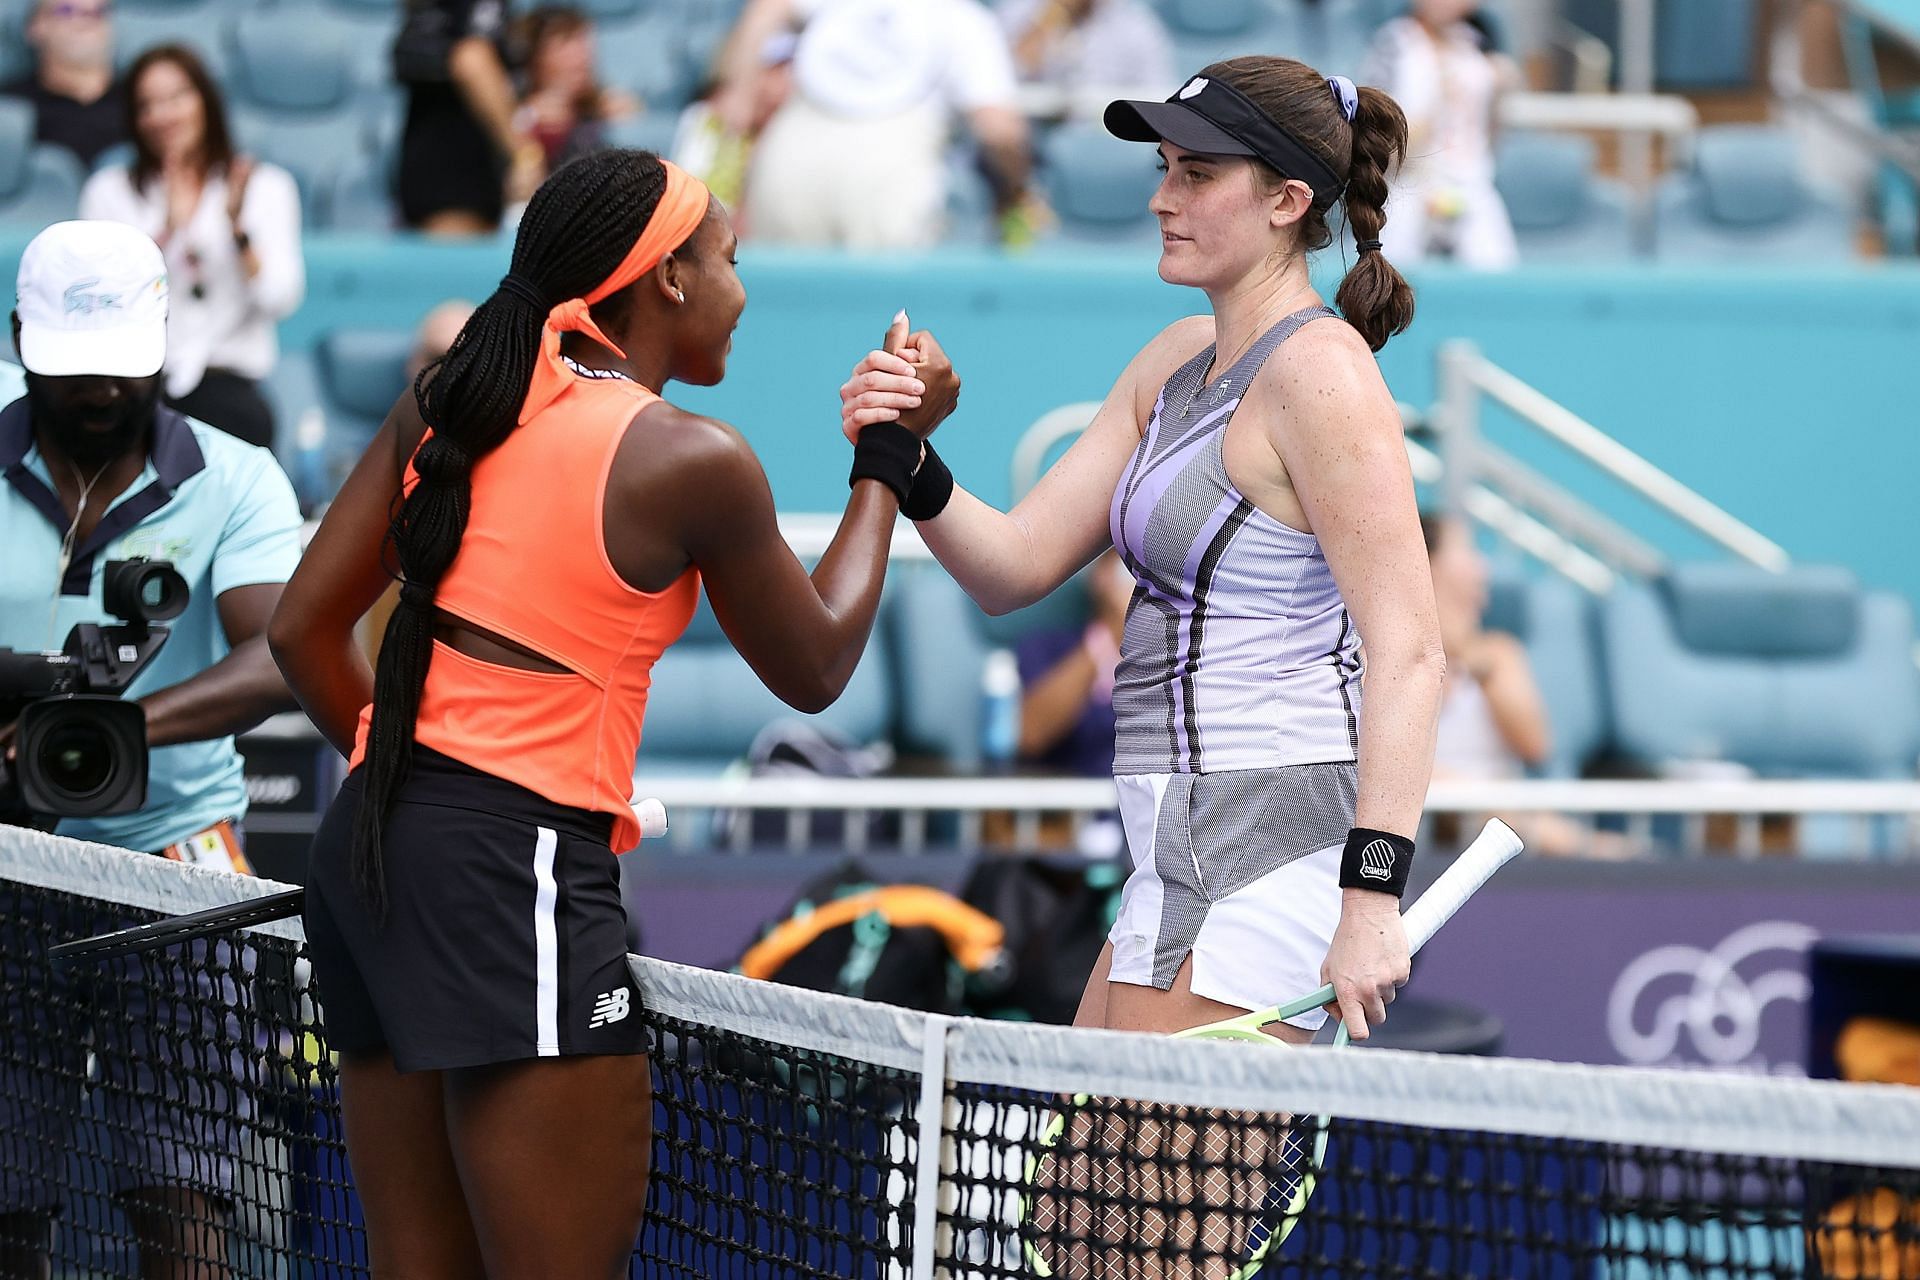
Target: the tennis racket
pixel 1296 1166
pixel 214 921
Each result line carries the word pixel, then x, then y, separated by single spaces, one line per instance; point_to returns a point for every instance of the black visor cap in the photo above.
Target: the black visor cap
pixel 1209 117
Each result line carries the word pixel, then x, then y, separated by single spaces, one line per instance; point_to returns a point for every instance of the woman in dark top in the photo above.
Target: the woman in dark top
pixel 462 158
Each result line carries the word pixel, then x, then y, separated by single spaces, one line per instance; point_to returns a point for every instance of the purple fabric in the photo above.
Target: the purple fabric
pixel 1088 749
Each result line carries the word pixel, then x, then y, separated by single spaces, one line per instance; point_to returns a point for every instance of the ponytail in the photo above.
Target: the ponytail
pixel 575 233
pixel 1374 297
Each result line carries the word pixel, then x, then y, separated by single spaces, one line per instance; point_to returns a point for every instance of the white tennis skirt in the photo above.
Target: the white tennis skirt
pixel 1240 870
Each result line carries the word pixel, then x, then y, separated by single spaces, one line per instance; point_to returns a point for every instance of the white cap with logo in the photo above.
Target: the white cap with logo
pixel 92 299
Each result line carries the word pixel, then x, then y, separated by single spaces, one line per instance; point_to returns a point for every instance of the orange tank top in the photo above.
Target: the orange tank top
pixel 533 568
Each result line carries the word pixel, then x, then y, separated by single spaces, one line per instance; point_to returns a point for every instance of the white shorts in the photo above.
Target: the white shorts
pixel 1240 870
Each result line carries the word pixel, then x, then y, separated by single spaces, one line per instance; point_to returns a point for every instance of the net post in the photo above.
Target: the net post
pixel 931 1134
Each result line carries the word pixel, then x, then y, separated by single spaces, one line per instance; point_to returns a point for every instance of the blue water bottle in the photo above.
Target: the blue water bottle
pixel 999 709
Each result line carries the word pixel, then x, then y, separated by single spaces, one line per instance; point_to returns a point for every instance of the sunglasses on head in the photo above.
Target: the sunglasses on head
pixel 70 9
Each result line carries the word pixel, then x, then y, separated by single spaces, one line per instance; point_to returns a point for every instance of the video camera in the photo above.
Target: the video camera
pixel 78 750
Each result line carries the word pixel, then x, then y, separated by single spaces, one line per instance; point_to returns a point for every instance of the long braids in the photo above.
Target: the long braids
pixel 577 229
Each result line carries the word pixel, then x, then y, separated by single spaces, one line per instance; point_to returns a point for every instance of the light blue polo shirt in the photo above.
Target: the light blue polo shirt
pixel 222 511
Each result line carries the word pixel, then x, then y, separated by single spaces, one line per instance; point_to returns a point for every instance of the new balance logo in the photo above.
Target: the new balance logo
pixel 1376 862
pixel 611 1007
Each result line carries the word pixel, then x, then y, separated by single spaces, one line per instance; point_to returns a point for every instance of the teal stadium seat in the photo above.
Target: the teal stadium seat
pixel 1800 673
pixel 707 705
pixel 363 28
pixel 294 102
pixel 649 54
pixel 1099 186
pixel 1336 33
pixel 1561 211
pixel 360 373
pixel 652 131
pixel 39 184
pixel 1745 201
pixel 198 24
pixel 1206 31
pixel 1698 44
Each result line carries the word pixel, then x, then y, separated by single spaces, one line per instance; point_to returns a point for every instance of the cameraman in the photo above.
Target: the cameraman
pixel 96 468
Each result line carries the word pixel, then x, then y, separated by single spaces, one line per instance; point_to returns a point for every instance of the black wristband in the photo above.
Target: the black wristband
pixel 1376 860
pixel 887 452
pixel 932 488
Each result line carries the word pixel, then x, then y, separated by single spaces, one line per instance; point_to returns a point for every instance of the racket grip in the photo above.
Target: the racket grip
pixel 1491 849
pixel 653 818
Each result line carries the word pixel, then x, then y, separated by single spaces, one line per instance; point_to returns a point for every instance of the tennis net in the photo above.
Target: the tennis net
pixel 184 1102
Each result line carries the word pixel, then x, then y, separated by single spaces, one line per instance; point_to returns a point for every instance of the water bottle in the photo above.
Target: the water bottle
pixel 999 709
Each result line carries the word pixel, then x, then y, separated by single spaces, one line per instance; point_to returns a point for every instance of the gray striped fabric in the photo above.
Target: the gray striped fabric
pixel 1238 652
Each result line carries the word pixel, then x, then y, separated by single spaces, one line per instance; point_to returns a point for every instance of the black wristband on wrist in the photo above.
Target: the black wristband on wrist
pixel 887 452
pixel 932 488
pixel 1376 860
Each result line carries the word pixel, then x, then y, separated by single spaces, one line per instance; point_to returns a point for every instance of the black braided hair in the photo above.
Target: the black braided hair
pixel 577 229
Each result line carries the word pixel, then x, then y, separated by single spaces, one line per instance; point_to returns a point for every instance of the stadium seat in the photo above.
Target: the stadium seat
pixel 707 705
pixel 1797 673
pixel 1207 31
pixel 1098 185
pixel 16 59
pixel 1335 34
pixel 1561 212
pixel 200 28
pixel 938 645
pixel 1744 201
pixel 648 55
pixel 359 198
pixel 653 131
pixel 360 373
pixel 294 103
pixel 38 183
pixel 1555 621
pixel 299 440
pixel 1698 44
pixel 364 28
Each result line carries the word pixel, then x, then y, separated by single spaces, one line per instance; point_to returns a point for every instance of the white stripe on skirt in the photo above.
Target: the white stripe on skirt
pixel 546 947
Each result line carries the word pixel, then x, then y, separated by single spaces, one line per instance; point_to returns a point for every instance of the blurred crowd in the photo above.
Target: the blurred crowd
pixel 482 101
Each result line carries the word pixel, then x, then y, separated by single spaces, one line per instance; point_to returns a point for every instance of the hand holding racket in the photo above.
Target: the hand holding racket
pixel 1278 1165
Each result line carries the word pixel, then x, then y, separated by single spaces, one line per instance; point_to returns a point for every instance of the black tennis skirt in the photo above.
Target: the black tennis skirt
pixel 505 936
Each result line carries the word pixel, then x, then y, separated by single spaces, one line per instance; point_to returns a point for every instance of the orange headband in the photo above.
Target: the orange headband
pixel 682 205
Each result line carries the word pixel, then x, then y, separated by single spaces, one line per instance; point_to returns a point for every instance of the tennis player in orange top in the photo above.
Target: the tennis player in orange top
pixel 462 908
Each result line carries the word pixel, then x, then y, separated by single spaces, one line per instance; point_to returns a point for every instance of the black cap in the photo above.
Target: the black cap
pixel 1212 117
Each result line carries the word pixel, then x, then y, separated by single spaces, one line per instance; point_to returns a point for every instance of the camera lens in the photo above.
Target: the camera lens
pixel 77 759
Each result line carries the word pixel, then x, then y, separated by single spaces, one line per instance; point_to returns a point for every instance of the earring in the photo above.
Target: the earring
pixel 679 295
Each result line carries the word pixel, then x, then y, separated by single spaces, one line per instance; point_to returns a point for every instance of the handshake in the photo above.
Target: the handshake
pixel 908 380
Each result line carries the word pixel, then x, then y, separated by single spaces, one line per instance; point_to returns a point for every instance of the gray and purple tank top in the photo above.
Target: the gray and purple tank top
pixel 1238 651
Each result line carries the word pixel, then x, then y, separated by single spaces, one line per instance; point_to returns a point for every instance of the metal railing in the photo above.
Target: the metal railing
pixel 1878 818
pixel 1471 468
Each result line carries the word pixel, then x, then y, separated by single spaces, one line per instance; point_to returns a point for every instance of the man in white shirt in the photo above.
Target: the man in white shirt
pixel 877 79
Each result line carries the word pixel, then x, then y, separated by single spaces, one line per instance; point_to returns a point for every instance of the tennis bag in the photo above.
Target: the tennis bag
pixel 1057 912
pixel 900 944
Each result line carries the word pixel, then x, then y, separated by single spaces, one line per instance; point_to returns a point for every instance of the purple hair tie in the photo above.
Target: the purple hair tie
pixel 1346 95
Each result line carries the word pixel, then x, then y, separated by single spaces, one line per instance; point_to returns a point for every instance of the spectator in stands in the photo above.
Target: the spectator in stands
pixel 78 104
pixel 434 338
pixel 1066 679
pixel 566 108
pixel 229 226
pixel 1089 45
pixel 873 78
pixel 1493 723
pixel 705 146
pixel 463 158
pixel 1443 69
pixel 100 469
